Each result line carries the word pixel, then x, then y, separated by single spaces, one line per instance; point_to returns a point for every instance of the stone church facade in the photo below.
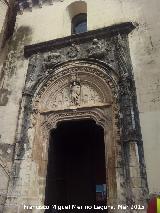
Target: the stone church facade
pixel 50 75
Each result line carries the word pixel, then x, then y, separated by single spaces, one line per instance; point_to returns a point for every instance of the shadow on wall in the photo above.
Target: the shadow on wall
pixel 10 67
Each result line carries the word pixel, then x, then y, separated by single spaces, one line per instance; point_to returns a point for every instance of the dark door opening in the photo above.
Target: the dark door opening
pixel 76 172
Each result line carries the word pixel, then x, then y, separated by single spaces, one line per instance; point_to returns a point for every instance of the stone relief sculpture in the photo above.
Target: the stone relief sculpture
pixel 96 49
pixel 74 93
pixel 51 59
pixel 75 90
pixel 73 51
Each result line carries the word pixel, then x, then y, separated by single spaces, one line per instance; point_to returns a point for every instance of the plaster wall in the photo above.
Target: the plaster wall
pixel 54 21
pixel 3 11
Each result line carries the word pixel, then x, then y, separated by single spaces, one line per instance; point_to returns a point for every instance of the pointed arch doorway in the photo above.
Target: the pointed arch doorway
pixel 76 172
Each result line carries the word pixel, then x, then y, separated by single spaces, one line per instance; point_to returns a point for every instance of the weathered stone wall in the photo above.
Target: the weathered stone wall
pixel 6 150
pixel 3 19
pixel 12 78
pixel 53 21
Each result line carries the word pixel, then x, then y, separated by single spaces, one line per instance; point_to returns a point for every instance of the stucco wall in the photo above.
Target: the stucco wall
pixel 53 21
pixel 3 10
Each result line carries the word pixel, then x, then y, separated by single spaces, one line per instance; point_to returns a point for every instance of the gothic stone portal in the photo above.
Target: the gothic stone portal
pixel 78 92
pixel 74 91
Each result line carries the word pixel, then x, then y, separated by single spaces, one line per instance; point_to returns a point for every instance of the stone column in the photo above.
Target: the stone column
pixel 130 127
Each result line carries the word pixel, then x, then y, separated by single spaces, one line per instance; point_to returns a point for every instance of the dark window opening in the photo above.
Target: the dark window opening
pixel 79 23
pixel 76 170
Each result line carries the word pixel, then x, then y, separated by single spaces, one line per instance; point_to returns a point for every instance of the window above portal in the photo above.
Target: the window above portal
pixel 77 13
pixel 79 23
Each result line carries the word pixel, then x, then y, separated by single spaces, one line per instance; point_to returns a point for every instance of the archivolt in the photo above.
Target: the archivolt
pixel 98 80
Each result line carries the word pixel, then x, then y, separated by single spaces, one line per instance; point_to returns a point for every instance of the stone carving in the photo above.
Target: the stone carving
pixel 33 61
pixel 73 51
pixel 122 55
pixel 74 94
pixel 96 49
pixel 86 90
pixel 31 132
pixel 108 46
pixel 75 90
pixel 130 124
pixel 51 59
pixel 125 85
pixel 34 73
pixel 83 89
pixel 70 88
pixel 102 116
pixel 109 53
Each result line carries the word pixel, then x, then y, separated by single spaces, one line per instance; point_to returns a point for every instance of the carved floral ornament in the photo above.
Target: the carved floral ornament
pixel 73 51
pixel 76 86
pixel 102 116
pixel 96 49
